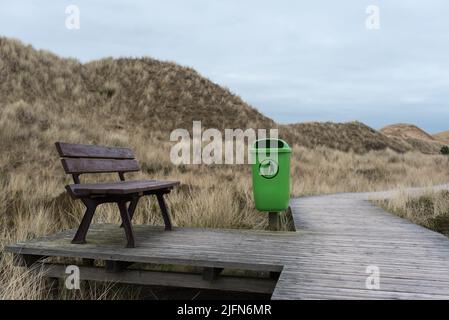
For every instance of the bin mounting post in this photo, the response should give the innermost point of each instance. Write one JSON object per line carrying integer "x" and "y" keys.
{"x": 273, "y": 221}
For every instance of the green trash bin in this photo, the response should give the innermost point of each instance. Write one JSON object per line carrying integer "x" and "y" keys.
{"x": 271, "y": 174}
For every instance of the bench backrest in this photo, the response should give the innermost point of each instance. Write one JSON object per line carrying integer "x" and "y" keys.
{"x": 85, "y": 158}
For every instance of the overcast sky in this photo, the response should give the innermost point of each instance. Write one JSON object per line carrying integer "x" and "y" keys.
{"x": 295, "y": 61}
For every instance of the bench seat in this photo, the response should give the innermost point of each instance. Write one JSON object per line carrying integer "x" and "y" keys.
{"x": 119, "y": 187}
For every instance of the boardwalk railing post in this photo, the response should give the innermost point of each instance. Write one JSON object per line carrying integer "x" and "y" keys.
{"x": 273, "y": 221}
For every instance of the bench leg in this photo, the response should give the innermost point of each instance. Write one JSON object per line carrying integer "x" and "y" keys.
{"x": 165, "y": 216}
{"x": 126, "y": 221}
{"x": 80, "y": 236}
{"x": 131, "y": 209}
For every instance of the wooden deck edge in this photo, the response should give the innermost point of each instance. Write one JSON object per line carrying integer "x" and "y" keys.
{"x": 47, "y": 252}
{"x": 165, "y": 279}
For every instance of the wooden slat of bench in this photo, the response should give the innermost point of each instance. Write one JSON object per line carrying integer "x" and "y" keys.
{"x": 83, "y": 165}
{"x": 121, "y": 187}
{"x": 70, "y": 150}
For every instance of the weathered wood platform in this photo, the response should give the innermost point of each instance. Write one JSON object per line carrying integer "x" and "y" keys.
{"x": 337, "y": 238}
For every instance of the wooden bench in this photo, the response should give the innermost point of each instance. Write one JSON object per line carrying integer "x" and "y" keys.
{"x": 79, "y": 159}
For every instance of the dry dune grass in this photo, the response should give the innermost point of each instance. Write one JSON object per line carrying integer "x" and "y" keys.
{"x": 414, "y": 137}
{"x": 352, "y": 136}
{"x": 443, "y": 137}
{"x": 405, "y": 130}
{"x": 323, "y": 170}
{"x": 136, "y": 103}
{"x": 430, "y": 209}
{"x": 158, "y": 96}
{"x": 358, "y": 137}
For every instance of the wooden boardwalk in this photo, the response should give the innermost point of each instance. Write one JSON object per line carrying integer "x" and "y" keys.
{"x": 343, "y": 234}
{"x": 337, "y": 238}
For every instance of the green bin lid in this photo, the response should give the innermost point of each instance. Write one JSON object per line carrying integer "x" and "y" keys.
{"x": 264, "y": 145}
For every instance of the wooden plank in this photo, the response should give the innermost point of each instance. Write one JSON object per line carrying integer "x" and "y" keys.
{"x": 168, "y": 279}
{"x": 120, "y": 187}
{"x": 85, "y": 165}
{"x": 190, "y": 246}
{"x": 71, "y": 150}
